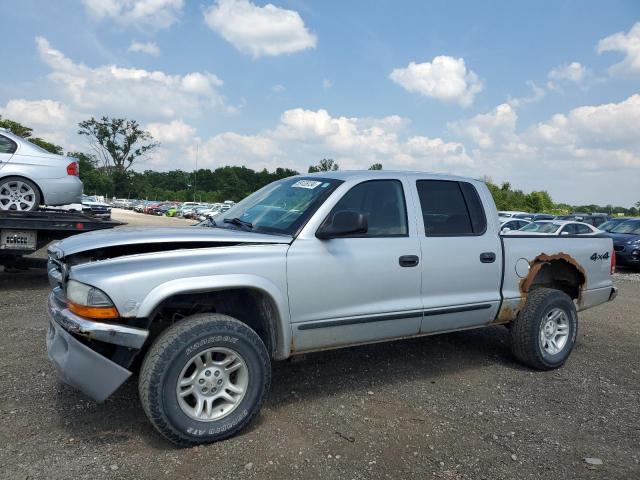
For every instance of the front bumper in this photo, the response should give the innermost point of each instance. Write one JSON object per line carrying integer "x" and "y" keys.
{"x": 76, "y": 363}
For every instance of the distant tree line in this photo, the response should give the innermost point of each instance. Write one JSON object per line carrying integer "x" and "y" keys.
{"x": 117, "y": 143}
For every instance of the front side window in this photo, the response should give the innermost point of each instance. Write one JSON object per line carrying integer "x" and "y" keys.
{"x": 280, "y": 207}
{"x": 7, "y": 145}
{"x": 451, "y": 208}
{"x": 382, "y": 203}
{"x": 570, "y": 229}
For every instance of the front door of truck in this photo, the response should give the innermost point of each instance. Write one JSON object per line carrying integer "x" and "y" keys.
{"x": 461, "y": 257}
{"x": 358, "y": 288}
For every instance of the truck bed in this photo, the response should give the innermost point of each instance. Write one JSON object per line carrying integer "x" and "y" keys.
{"x": 588, "y": 265}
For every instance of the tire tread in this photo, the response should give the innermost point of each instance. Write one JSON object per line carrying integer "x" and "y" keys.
{"x": 149, "y": 384}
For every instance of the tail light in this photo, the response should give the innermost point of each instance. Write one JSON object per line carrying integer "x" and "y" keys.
{"x": 73, "y": 169}
{"x": 613, "y": 262}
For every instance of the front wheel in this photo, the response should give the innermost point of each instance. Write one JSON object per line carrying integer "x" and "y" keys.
{"x": 204, "y": 379}
{"x": 545, "y": 331}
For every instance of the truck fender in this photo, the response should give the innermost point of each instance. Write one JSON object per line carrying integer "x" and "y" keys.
{"x": 224, "y": 282}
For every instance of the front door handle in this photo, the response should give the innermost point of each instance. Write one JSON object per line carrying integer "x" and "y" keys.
{"x": 409, "y": 260}
{"x": 487, "y": 257}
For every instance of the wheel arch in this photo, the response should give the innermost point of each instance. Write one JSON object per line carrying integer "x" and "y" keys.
{"x": 4, "y": 175}
{"x": 253, "y": 300}
{"x": 560, "y": 272}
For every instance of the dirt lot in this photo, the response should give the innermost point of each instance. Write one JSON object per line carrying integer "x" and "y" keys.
{"x": 449, "y": 406}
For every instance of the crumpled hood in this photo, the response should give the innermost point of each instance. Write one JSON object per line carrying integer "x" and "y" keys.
{"x": 165, "y": 238}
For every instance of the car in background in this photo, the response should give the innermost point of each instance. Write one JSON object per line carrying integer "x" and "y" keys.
{"x": 556, "y": 228}
{"x": 612, "y": 223}
{"x": 31, "y": 176}
{"x": 504, "y": 214}
{"x": 626, "y": 243}
{"x": 595, "y": 219}
{"x": 533, "y": 217}
{"x": 121, "y": 203}
{"x": 513, "y": 224}
{"x": 91, "y": 205}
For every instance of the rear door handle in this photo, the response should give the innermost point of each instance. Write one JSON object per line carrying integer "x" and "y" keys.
{"x": 409, "y": 260}
{"x": 487, "y": 257}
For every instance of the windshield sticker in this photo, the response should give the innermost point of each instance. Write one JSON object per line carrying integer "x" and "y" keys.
{"x": 306, "y": 184}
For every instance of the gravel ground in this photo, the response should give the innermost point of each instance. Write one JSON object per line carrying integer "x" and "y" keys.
{"x": 453, "y": 406}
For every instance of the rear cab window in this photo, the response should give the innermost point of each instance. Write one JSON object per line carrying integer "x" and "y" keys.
{"x": 451, "y": 208}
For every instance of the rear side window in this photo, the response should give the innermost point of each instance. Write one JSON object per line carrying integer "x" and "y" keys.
{"x": 582, "y": 229}
{"x": 7, "y": 145}
{"x": 571, "y": 229}
{"x": 382, "y": 201}
{"x": 451, "y": 208}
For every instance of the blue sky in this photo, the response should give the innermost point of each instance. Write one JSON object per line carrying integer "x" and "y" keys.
{"x": 542, "y": 94}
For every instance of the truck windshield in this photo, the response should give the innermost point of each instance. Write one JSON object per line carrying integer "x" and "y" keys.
{"x": 541, "y": 227}
{"x": 631, "y": 227}
{"x": 280, "y": 207}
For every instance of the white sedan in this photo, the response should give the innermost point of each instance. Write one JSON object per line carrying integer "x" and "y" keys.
{"x": 556, "y": 227}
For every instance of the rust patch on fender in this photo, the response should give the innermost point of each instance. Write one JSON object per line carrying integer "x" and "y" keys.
{"x": 508, "y": 314}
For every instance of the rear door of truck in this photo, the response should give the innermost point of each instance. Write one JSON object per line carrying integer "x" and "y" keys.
{"x": 461, "y": 254}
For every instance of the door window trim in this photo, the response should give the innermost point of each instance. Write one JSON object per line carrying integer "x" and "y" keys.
{"x": 367, "y": 235}
{"x": 466, "y": 204}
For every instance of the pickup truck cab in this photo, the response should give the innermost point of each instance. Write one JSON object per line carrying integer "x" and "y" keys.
{"x": 306, "y": 263}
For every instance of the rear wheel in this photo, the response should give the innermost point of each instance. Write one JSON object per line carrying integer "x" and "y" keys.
{"x": 19, "y": 194}
{"x": 545, "y": 331}
{"x": 204, "y": 379}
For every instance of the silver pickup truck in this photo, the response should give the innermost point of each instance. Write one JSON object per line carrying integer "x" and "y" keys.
{"x": 307, "y": 263}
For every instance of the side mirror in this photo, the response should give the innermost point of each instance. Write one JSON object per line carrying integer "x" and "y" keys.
{"x": 564, "y": 233}
{"x": 343, "y": 222}
{"x": 506, "y": 229}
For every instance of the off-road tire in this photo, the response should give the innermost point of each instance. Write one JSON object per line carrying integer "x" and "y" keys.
{"x": 167, "y": 357}
{"x": 525, "y": 330}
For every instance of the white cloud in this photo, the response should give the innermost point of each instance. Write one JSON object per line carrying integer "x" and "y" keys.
{"x": 537, "y": 94}
{"x": 174, "y": 132}
{"x": 629, "y": 45}
{"x": 609, "y": 126}
{"x": 36, "y": 112}
{"x": 49, "y": 119}
{"x": 573, "y": 73}
{"x": 327, "y": 84}
{"x": 150, "y": 48}
{"x": 153, "y": 14}
{"x": 259, "y": 31}
{"x": 110, "y": 89}
{"x": 278, "y": 88}
{"x": 487, "y": 129}
{"x": 445, "y": 78}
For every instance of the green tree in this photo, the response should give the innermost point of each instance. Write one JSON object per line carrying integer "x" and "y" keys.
{"x": 48, "y": 146}
{"x": 16, "y": 128}
{"x": 117, "y": 142}
{"x": 324, "y": 165}
{"x": 26, "y": 132}
{"x": 376, "y": 166}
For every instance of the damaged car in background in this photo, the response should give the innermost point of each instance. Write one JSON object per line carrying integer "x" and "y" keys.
{"x": 307, "y": 263}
